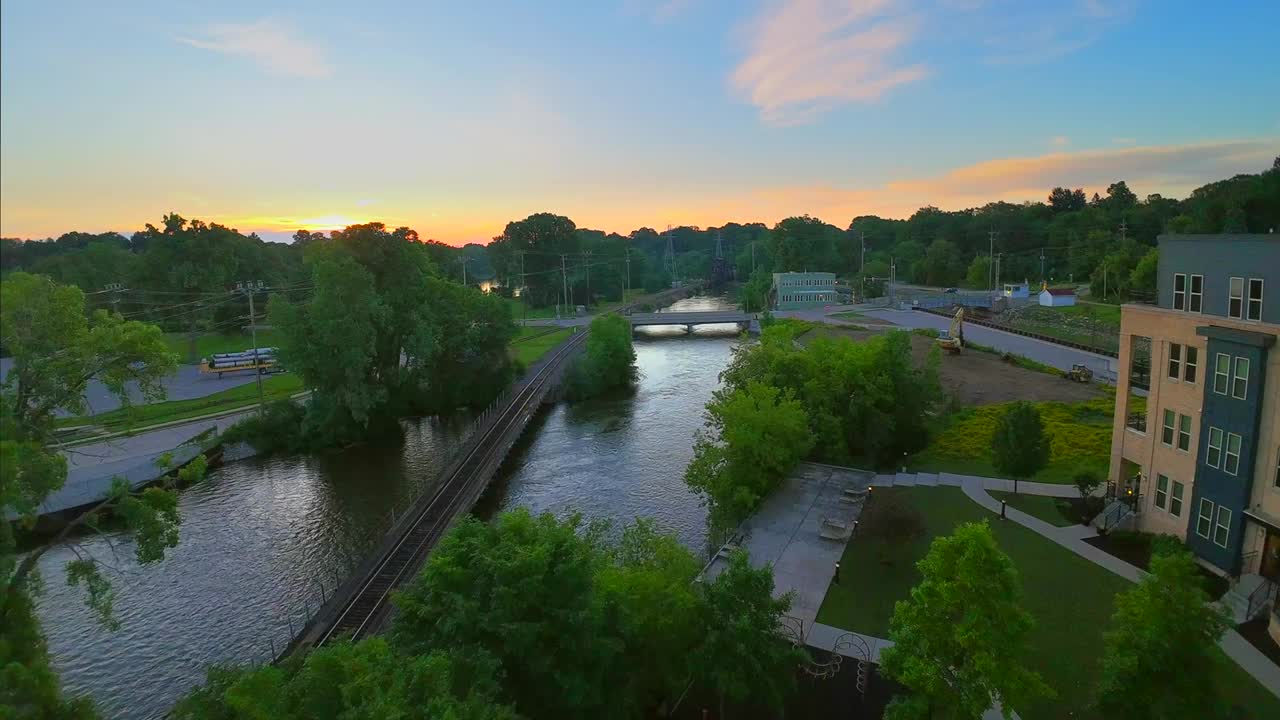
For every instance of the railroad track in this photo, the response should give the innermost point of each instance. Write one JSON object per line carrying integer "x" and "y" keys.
{"x": 363, "y": 611}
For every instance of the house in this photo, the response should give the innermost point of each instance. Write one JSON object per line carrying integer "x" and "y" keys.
{"x": 1196, "y": 436}
{"x": 1057, "y": 297}
{"x": 803, "y": 290}
{"x": 1017, "y": 291}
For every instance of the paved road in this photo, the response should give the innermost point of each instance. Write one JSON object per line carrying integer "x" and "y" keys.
{"x": 92, "y": 467}
{"x": 1058, "y": 356}
{"x": 186, "y": 384}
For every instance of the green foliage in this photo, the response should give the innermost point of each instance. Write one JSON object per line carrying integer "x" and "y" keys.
{"x": 1142, "y": 279}
{"x": 862, "y": 399}
{"x": 978, "y": 276}
{"x": 579, "y": 625}
{"x": 754, "y": 436}
{"x": 960, "y": 640}
{"x": 754, "y": 295}
{"x": 365, "y": 680}
{"x": 1018, "y": 446}
{"x": 800, "y": 244}
{"x": 1164, "y": 622}
{"x": 29, "y": 687}
{"x": 609, "y": 360}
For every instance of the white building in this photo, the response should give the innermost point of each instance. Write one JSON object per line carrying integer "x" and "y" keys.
{"x": 1057, "y": 297}
{"x": 1017, "y": 291}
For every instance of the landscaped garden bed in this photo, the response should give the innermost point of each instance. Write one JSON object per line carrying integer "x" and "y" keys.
{"x": 1136, "y": 549}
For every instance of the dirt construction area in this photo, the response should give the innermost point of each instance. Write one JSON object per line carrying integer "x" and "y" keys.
{"x": 981, "y": 378}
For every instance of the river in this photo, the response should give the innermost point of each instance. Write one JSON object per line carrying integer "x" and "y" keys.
{"x": 260, "y": 536}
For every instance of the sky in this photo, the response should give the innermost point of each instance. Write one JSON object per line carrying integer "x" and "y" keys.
{"x": 455, "y": 118}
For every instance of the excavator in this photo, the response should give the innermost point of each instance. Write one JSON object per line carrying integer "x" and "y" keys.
{"x": 952, "y": 340}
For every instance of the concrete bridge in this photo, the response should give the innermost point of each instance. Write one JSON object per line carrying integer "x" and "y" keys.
{"x": 690, "y": 319}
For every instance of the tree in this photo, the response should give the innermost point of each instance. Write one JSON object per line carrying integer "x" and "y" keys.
{"x": 960, "y": 640}
{"x": 363, "y": 680}
{"x": 1143, "y": 277}
{"x": 743, "y": 654}
{"x": 754, "y": 436}
{"x": 804, "y": 243}
{"x": 1120, "y": 197}
{"x": 1019, "y": 448}
{"x": 1087, "y": 483}
{"x": 609, "y": 362}
{"x": 56, "y": 351}
{"x": 1064, "y": 200}
{"x": 755, "y": 292}
{"x": 538, "y": 241}
{"x": 942, "y": 264}
{"x": 1165, "y": 621}
{"x": 979, "y": 273}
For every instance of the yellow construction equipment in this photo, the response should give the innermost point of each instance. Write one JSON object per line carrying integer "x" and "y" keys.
{"x": 952, "y": 340}
{"x": 1079, "y": 373}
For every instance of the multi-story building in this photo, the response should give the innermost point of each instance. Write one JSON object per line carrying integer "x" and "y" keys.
{"x": 1197, "y": 430}
{"x": 803, "y": 290}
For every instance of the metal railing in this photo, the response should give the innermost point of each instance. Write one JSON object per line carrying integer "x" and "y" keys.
{"x": 1261, "y": 596}
{"x": 1136, "y": 421}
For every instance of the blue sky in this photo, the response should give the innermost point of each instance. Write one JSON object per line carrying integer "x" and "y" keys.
{"x": 457, "y": 117}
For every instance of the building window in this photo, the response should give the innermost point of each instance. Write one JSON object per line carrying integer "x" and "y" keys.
{"x": 1190, "y": 363}
{"x": 1235, "y": 299}
{"x": 1254, "y": 311}
{"x": 1204, "y": 523}
{"x": 1222, "y": 527}
{"x": 1213, "y": 456}
{"x": 1231, "y": 463}
{"x": 1184, "y": 433}
{"x": 1197, "y": 294}
{"x": 1221, "y": 371}
{"x": 1179, "y": 291}
{"x": 1162, "y": 491}
{"x": 1175, "y": 361}
{"x": 1175, "y": 503}
{"x": 1240, "y": 379}
{"x": 1166, "y": 434}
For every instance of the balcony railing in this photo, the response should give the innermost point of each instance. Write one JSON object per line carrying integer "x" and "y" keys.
{"x": 1136, "y": 421}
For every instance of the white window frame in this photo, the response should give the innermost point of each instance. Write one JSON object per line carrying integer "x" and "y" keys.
{"x": 1227, "y": 455}
{"x": 1179, "y": 296}
{"x": 1213, "y": 454}
{"x": 1238, "y": 314}
{"x": 1195, "y": 298}
{"x": 1184, "y": 434}
{"x": 1168, "y": 426}
{"x": 1162, "y": 496}
{"x": 1174, "y": 371}
{"x": 1201, "y": 517}
{"x": 1223, "y": 373}
{"x": 1224, "y": 527}
{"x": 1191, "y": 364}
{"x": 1237, "y": 377}
{"x": 1249, "y": 300}
{"x": 1175, "y": 496}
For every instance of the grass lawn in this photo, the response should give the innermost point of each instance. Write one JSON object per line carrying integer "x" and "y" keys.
{"x": 1070, "y": 598}
{"x": 212, "y": 343}
{"x": 1086, "y": 324}
{"x": 528, "y": 351}
{"x": 1079, "y": 440}
{"x": 274, "y": 387}
{"x": 1040, "y": 506}
{"x": 849, "y": 315}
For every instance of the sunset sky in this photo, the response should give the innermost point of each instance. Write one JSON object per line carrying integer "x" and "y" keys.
{"x": 456, "y": 117}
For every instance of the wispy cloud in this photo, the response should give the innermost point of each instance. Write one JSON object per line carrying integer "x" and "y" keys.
{"x": 807, "y": 56}
{"x": 274, "y": 46}
{"x": 1059, "y": 141}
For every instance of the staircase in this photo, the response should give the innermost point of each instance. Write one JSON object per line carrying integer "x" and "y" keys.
{"x": 1113, "y": 516}
{"x": 1249, "y": 597}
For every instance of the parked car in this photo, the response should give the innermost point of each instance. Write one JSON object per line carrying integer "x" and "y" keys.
{"x": 950, "y": 290}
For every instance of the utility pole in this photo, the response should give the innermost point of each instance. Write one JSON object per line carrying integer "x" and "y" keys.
{"x": 249, "y": 288}
{"x": 671, "y": 256}
{"x": 991, "y": 251}
{"x": 586, "y": 263}
{"x": 564, "y": 284}
{"x": 862, "y": 241}
{"x": 626, "y": 279}
{"x": 753, "y": 256}
{"x": 1042, "y": 264}
{"x": 115, "y": 289}
{"x": 1124, "y": 228}
{"x": 524, "y": 300}
{"x": 463, "y": 261}
{"x": 998, "y": 256}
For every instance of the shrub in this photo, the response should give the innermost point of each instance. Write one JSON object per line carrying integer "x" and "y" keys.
{"x": 609, "y": 360}
{"x": 277, "y": 430}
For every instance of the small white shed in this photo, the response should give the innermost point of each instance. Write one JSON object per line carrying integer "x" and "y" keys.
{"x": 1057, "y": 297}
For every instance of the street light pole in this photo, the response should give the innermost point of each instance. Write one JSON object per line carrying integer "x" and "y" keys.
{"x": 249, "y": 288}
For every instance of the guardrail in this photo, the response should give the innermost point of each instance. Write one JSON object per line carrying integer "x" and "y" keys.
{"x": 1025, "y": 333}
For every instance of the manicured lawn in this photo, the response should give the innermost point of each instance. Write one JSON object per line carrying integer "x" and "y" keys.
{"x": 1040, "y": 506}
{"x": 1079, "y": 436}
{"x": 274, "y": 387}
{"x": 529, "y": 350}
{"x": 212, "y": 343}
{"x": 1070, "y": 598}
{"x": 849, "y": 315}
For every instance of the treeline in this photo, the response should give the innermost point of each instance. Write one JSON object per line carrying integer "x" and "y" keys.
{"x": 538, "y": 617}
